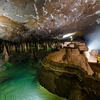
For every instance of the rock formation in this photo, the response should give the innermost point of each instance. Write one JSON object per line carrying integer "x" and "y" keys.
{"x": 73, "y": 56}
{"x": 25, "y": 19}
{"x": 92, "y": 56}
{"x": 6, "y": 54}
{"x": 69, "y": 78}
{"x": 56, "y": 56}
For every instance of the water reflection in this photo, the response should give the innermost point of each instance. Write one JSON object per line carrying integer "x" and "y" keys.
{"x": 19, "y": 82}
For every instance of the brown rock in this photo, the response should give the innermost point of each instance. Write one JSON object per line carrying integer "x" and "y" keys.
{"x": 56, "y": 56}
{"x": 73, "y": 56}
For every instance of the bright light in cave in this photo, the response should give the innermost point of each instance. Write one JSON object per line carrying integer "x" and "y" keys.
{"x": 68, "y": 35}
{"x": 94, "y": 39}
{"x": 94, "y": 45}
{"x": 2, "y": 24}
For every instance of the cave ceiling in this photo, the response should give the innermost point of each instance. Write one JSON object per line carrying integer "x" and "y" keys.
{"x": 34, "y": 19}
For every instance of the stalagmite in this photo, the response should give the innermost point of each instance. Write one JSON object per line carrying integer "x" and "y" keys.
{"x": 25, "y": 47}
{"x": 32, "y": 47}
{"x": 6, "y": 54}
{"x": 47, "y": 47}
{"x": 28, "y": 46}
{"x": 4, "y": 50}
{"x": 16, "y": 48}
{"x": 20, "y": 48}
{"x": 8, "y": 48}
{"x": 13, "y": 48}
{"x": 6, "y": 57}
{"x": 44, "y": 46}
{"x": 38, "y": 46}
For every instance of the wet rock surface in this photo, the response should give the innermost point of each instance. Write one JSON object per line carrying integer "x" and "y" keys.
{"x": 69, "y": 80}
{"x": 46, "y": 18}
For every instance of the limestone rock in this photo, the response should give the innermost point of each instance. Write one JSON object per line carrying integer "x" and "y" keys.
{"x": 6, "y": 57}
{"x": 68, "y": 79}
{"x": 73, "y": 56}
{"x": 56, "y": 56}
{"x": 6, "y": 54}
{"x": 94, "y": 52}
{"x": 91, "y": 56}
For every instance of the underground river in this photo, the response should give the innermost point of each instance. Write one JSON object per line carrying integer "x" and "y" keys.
{"x": 19, "y": 81}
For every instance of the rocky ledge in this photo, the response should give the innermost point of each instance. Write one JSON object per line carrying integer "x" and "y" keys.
{"x": 69, "y": 77}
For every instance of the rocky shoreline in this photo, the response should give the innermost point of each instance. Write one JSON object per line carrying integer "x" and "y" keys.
{"x": 68, "y": 80}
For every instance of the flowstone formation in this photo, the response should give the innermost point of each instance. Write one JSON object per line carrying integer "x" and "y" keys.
{"x": 67, "y": 73}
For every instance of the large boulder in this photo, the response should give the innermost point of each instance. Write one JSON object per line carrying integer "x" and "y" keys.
{"x": 73, "y": 56}
{"x": 56, "y": 56}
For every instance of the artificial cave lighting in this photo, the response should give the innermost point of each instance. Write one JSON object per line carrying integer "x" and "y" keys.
{"x": 71, "y": 37}
{"x": 68, "y": 35}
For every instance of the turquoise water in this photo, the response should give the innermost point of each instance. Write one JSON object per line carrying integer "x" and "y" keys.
{"x": 20, "y": 82}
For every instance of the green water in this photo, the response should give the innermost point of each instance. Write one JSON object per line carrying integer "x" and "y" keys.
{"x": 20, "y": 82}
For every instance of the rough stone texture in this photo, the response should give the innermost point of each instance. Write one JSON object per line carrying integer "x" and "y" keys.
{"x": 60, "y": 79}
{"x": 57, "y": 56}
{"x": 69, "y": 80}
{"x": 92, "y": 56}
{"x": 94, "y": 52}
{"x": 82, "y": 46}
{"x": 73, "y": 56}
{"x": 45, "y": 18}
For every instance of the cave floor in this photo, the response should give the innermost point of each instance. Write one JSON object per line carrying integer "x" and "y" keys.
{"x": 19, "y": 82}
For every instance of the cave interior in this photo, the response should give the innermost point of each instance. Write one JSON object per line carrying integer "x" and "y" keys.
{"x": 35, "y": 34}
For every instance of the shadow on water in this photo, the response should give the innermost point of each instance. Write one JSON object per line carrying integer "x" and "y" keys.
{"x": 19, "y": 82}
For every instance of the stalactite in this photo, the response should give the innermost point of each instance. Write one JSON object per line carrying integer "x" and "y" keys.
{"x": 21, "y": 48}
{"x": 47, "y": 47}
